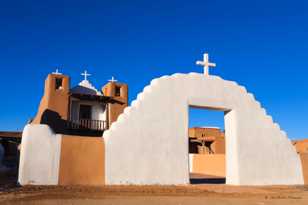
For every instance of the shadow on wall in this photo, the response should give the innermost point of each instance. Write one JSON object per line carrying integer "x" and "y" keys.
{"x": 54, "y": 120}
{"x": 60, "y": 126}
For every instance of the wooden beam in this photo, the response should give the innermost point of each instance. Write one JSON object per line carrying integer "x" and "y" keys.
{"x": 8, "y": 134}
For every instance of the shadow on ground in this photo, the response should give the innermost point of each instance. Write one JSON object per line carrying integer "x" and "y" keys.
{"x": 208, "y": 181}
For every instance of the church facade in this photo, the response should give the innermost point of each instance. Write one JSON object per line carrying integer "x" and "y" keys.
{"x": 85, "y": 136}
{"x": 81, "y": 108}
{"x": 63, "y": 144}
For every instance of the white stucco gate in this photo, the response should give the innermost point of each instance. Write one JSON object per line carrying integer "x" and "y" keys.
{"x": 148, "y": 144}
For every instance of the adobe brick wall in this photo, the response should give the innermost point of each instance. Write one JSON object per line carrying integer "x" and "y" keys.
{"x": 304, "y": 160}
{"x": 82, "y": 161}
{"x": 114, "y": 110}
{"x": 54, "y": 100}
{"x": 301, "y": 145}
{"x": 209, "y": 164}
{"x": 219, "y": 145}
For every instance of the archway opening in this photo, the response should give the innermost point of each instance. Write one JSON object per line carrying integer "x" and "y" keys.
{"x": 206, "y": 137}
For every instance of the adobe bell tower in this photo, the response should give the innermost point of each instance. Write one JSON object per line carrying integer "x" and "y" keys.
{"x": 56, "y": 96}
{"x": 119, "y": 92}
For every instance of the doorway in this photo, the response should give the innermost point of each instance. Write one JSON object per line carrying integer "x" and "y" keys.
{"x": 206, "y": 137}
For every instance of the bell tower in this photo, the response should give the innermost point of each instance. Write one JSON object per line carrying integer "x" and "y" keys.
{"x": 56, "y": 96}
{"x": 119, "y": 92}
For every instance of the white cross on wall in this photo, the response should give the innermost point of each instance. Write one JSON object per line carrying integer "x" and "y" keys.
{"x": 113, "y": 80}
{"x": 85, "y": 74}
{"x": 206, "y": 64}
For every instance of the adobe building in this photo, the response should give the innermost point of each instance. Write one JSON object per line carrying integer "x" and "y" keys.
{"x": 81, "y": 109}
{"x": 207, "y": 151}
{"x": 206, "y": 140}
{"x": 80, "y": 114}
{"x": 86, "y": 136}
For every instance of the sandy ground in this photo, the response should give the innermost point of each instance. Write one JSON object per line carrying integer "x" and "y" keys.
{"x": 190, "y": 194}
{"x": 215, "y": 194}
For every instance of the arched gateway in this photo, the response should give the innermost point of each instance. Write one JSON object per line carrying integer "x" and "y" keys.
{"x": 148, "y": 143}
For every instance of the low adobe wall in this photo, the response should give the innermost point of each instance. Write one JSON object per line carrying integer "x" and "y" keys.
{"x": 208, "y": 164}
{"x": 39, "y": 156}
{"x": 82, "y": 161}
{"x": 53, "y": 159}
{"x": 304, "y": 160}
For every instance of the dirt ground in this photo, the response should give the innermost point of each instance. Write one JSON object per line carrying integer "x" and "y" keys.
{"x": 137, "y": 195}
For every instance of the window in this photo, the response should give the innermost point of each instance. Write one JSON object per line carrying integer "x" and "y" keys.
{"x": 59, "y": 83}
{"x": 117, "y": 91}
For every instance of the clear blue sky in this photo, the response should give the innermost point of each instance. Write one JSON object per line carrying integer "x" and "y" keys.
{"x": 262, "y": 45}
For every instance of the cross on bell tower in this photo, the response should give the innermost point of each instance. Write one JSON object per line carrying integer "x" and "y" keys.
{"x": 112, "y": 80}
{"x": 206, "y": 64}
{"x": 57, "y": 71}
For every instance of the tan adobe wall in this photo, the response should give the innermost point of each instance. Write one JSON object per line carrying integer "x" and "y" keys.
{"x": 301, "y": 146}
{"x": 213, "y": 164}
{"x": 198, "y": 132}
{"x": 82, "y": 161}
{"x": 218, "y": 145}
{"x": 192, "y": 132}
{"x": 304, "y": 160}
{"x": 56, "y": 100}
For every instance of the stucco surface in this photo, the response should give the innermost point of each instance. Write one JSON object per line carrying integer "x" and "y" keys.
{"x": 54, "y": 100}
{"x": 208, "y": 164}
{"x": 148, "y": 144}
{"x": 82, "y": 161}
{"x": 304, "y": 160}
{"x": 40, "y": 156}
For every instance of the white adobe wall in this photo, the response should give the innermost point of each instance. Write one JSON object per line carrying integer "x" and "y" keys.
{"x": 148, "y": 144}
{"x": 191, "y": 162}
{"x": 40, "y": 156}
{"x": 98, "y": 112}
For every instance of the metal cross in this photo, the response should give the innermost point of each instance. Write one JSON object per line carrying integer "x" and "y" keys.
{"x": 113, "y": 80}
{"x": 206, "y": 64}
{"x": 85, "y": 74}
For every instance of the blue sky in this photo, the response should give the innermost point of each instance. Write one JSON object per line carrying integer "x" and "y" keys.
{"x": 262, "y": 45}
